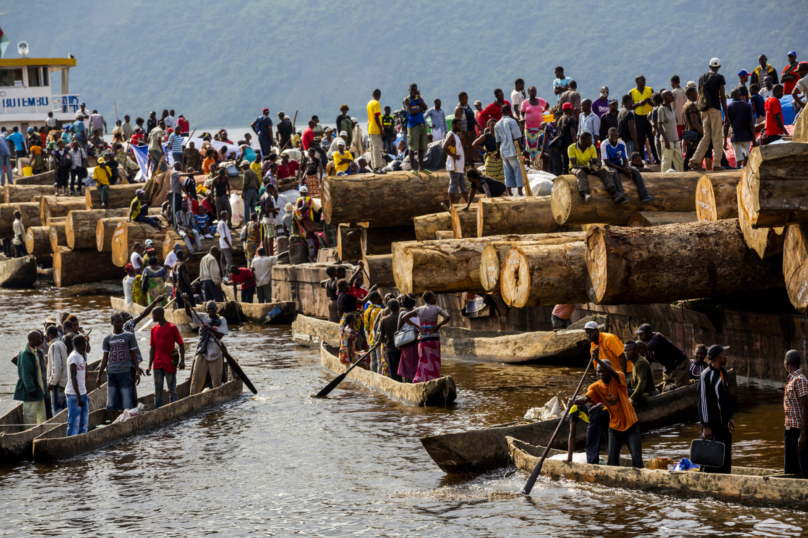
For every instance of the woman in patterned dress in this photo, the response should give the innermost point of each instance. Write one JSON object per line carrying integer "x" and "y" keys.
{"x": 429, "y": 339}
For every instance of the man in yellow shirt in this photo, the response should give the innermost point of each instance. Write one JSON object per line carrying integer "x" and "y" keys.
{"x": 643, "y": 105}
{"x": 584, "y": 162}
{"x": 101, "y": 175}
{"x": 343, "y": 160}
{"x": 375, "y": 131}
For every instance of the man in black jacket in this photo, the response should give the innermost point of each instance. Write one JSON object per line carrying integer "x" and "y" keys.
{"x": 714, "y": 406}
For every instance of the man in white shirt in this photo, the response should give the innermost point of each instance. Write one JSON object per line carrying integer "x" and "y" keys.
{"x": 210, "y": 276}
{"x": 78, "y": 407}
{"x": 209, "y": 358}
{"x": 97, "y": 122}
{"x": 438, "y": 118}
{"x": 50, "y": 121}
{"x": 589, "y": 122}
{"x": 262, "y": 269}
{"x": 136, "y": 259}
{"x": 171, "y": 259}
{"x": 19, "y": 236}
{"x": 129, "y": 284}
{"x": 518, "y": 97}
{"x": 57, "y": 370}
{"x": 225, "y": 243}
{"x": 170, "y": 121}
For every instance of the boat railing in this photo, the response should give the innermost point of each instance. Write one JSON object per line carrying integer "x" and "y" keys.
{"x": 62, "y": 104}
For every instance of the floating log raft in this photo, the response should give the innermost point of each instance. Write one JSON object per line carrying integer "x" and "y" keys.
{"x": 26, "y": 193}
{"x": 380, "y": 270}
{"x": 544, "y": 275}
{"x": 82, "y": 266}
{"x": 376, "y": 241}
{"x": 795, "y": 265}
{"x": 393, "y": 199}
{"x": 349, "y": 243}
{"x": 57, "y": 206}
{"x": 528, "y": 215}
{"x": 127, "y": 234}
{"x": 120, "y": 196}
{"x": 701, "y": 260}
{"x": 765, "y": 241}
{"x": 37, "y": 242}
{"x": 426, "y": 226}
{"x": 494, "y": 253}
{"x": 80, "y": 226}
{"x": 644, "y": 219}
{"x": 671, "y": 192}
{"x": 57, "y": 235}
{"x": 464, "y": 223}
{"x": 716, "y": 196}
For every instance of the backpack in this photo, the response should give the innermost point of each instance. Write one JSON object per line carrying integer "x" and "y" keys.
{"x": 703, "y": 101}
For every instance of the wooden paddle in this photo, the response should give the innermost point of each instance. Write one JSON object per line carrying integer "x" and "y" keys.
{"x": 528, "y": 191}
{"x": 537, "y": 470}
{"x": 331, "y": 386}
{"x": 230, "y": 360}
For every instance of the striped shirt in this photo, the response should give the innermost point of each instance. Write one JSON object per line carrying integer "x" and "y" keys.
{"x": 796, "y": 387}
{"x": 202, "y": 221}
{"x": 175, "y": 143}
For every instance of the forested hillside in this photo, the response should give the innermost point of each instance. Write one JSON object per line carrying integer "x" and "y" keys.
{"x": 219, "y": 62}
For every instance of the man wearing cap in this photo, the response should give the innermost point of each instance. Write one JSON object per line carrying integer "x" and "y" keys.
{"x": 262, "y": 126}
{"x": 101, "y": 175}
{"x": 801, "y": 88}
{"x": 743, "y": 78}
{"x": 607, "y": 346}
{"x": 185, "y": 223}
{"x": 711, "y": 85}
{"x": 714, "y": 406}
{"x": 209, "y": 358}
{"x": 250, "y": 189}
{"x": 789, "y": 77}
{"x": 343, "y": 160}
{"x": 795, "y": 403}
{"x": 660, "y": 349}
{"x": 600, "y": 106}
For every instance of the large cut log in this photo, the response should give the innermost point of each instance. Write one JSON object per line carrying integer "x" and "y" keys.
{"x": 349, "y": 243}
{"x": 494, "y": 254}
{"x": 56, "y": 234}
{"x": 72, "y": 267}
{"x": 57, "y": 206}
{"x": 444, "y": 234}
{"x": 765, "y": 241}
{"x": 800, "y": 130}
{"x": 716, "y": 196}
{"x": 776, "y": 202}
{"x": 45, "y": 178}
{"x": 393, "y": 199}
{"x": 644, "y": 219}
{"x": 464, "y": 223}
{"x": 380, "y": 270}
{"x": 795, "y": 265}
{"x": 426, "y": 226}
{"x": 700, "y": 260}
{"x": 37, "y": 242}
{"x": 29, "y": 214}
{"x": 377, "y": 241}
{"x": 544, "y": 275}
{"x": 55, "y": 220}
{"x": 120, "y": 196}
{"x": 80, "y": 226}
{"x": 672, "y": 193}
{"x": 193, "y": 261}
{"x": 779, "y": 161}
{"x": 104, "y": 230}
{"x": 26, "y": 193}
{"x": 528, "y": 215}
{"x": 127, "y": 234}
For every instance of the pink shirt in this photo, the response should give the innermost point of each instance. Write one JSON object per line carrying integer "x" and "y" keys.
{"x": 533, "y": 114}
{"x": 563, "y": 311}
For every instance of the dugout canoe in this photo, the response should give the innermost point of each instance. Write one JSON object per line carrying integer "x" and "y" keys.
{"x": 18, "y": 272}
{"x": 277, "y": 313}
{"x": 307, "y": 330}
{"x": 53, "y": 445}
{"x": 747, "y": 486}
{"x": 16, "y": 442}
{"x": 176, "y": 316}
{"x": 476, "y": 451}
{"x": 441, "y": 391}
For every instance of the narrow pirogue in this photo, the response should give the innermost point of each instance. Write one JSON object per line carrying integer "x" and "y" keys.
{"x": 441, "y": 391}
{"x": 748, "y": 486}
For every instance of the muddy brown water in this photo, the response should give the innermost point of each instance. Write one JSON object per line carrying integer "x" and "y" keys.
{"x": 283, "y": 464}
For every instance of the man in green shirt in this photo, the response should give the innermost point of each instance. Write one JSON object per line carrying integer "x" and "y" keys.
{"x": 249, "y": 188}
{"x": 642, "y": 377}
{"x": 32, "y": 381}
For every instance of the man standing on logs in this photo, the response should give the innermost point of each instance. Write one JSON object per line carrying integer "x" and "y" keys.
{"x": 660, "y": 349}
{"x": 455, "y": 163}
{"x": 714, "y": 406}
{"x": 711, "y": 101}
{"x": 614, "y": 155}
{"x": 507, "y": 135}
{"x": 666, "y": 121}
{"x": 416, "y": 128}
{"x": 584, "y": 161}
{"x": 795, "y": 402}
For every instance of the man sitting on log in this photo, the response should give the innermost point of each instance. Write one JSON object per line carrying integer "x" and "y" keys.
{"x": 491, "y": 187}
{"x": 584, "y": 161}
{"x": 613, "y": 153}
{"x": 138, "y": 210}
{"x": 660, "y": 349}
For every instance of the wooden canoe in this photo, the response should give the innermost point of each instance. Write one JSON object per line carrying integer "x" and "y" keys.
{"x": 176, "y": 316}
{"x": 476, "y": 451}
{"x": 307, "y": 330}
{"x": 18, "y": 272}
{"x": 53, "y": 445}
{"x": 752, "y": 487}
{"x": 278, "y": 313}
{"x": 16, "y": 442}
{"x": 441, "y": 391}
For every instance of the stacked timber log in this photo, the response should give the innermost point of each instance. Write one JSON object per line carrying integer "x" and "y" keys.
{"x": 644, "y": 219}
{"x": 72, "y": 267}
{"x": 105, "y": 228}
{"x": 45, "y": 178}
{"x": 81, "y": 225}
{"x": 57, "y": 206}
{"x": 444, "y": 235}
{"x": 37, "y": 243}
{"x": 301, "y": 284}
{"x": 706, "y": 259}
{"x": 777, "y": 185}
{"x": 127, "y": 234}
{"x": 26, "y": 193}
{"x": 427, "y": 226}
{"x": 716, "y": 196}
{"x": 543, "y": 275}
{"x": 56, "y": 233}
{"x": 765, "y": 241}
{"x": 529, "y": 215}
{"x": 192, "y": 261}
{"x": 120, "y": 196}
{"x": 349, "y": 243}
{"x": 377, "y": 241}
{"x": 464, "y": 222}
{"x": 379, "y": 269}
{"x": 795, "y": 265}
{"x": 29, "y": 214}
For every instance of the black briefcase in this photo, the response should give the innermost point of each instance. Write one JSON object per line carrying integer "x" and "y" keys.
{"x": 707, "y": 453}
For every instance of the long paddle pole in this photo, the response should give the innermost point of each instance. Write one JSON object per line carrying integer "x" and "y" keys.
{"x": 230, "y": 360}
{"x": 331, "y": 386}
{"x": 537, "y": 470}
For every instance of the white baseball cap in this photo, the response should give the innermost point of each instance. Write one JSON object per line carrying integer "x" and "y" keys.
{"x": 591, "y": 325}
{"x": 715, "y": 62}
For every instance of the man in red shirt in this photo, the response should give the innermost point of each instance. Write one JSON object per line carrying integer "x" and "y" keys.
{"x": 494, "y": 110}
{"x": 245, "y": 277}
{"x": 182, "y": 125}
{"x": 164, "y": 337}
{"x": 308, "y": 135}
{"x": 775, "y": 129}
{"x": 287, "y": 168}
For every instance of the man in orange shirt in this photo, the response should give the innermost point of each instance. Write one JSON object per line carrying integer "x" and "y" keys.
{"x": 611, "y": 347}
{"x": 610, "y": 390}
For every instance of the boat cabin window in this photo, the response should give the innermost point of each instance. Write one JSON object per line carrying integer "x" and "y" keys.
{"x": 37, "y": 77}
{"x": 10, "y": 77}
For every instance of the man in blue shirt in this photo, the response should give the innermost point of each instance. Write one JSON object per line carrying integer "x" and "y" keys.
{"x": 5, "y": 162}
{"x": 79, "y": 131}
{"x": 263, "y": 128}
{"x": 561, "y": 82}
{"x": 18, "y": 140}
{"x": 758, "y": 103}
{"x": 416, "y": 128}
{"x": 613, "y": 153}
{"x": 742, "y": 120}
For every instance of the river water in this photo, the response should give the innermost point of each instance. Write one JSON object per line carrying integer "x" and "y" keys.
{"x": 283, "y": 464}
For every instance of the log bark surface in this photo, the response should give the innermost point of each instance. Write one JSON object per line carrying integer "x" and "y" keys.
{"x": 645, "y": 219}
{"x": 528, "y": 215}
{"x": 120, "y": 196}
{"x": 37, "y": 242}
{"x": 45, "y": 178}
{"x": 716, "y": 196}
{"x": 672, "y": 193}
{"x": 765, "y": 241}
{"x": 393, "y": 199}
{"x": 26, "y": 193}
{"x": 776, "y": 202}
{"x": 380, "y": 270}
{"x": 376, "y": 241}
{"x": 779, "y": 161}
{"x": 464, "y": 223}
{"x": 795, "y": 265}
{"x": 701, "y": 260}
{"x": 80, "y": 226}
{"x": 544, "y": 275}
{"x": 104, "y": 230}
{"x": 127, "y": 234}
{"x": 29, "y": 214}
{"x": 56, "y": 232}
{"x": 72, "y": 267}
{"x": 494, "y": 254}
{"x": 57, "y": 206}
{"x": 443, "y": 235}
{"x": 426, "y": 226}
{"x": 349, "y": 243}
